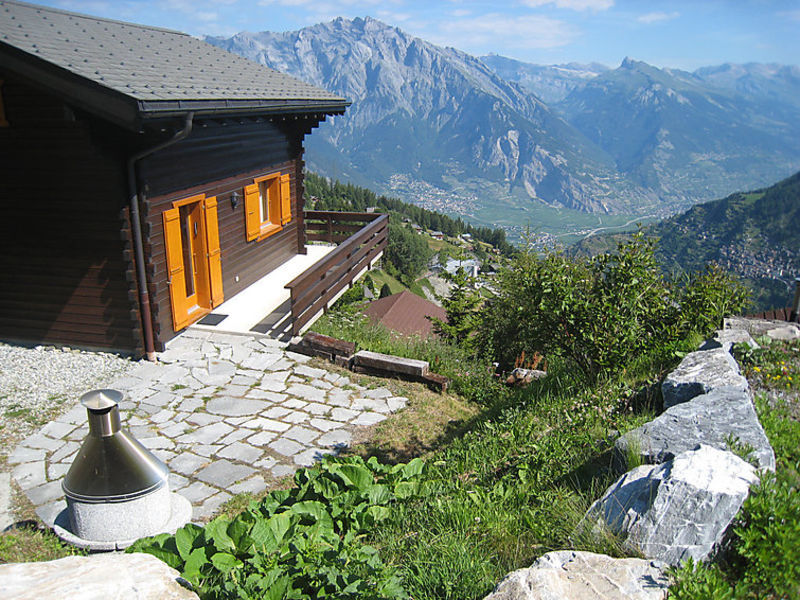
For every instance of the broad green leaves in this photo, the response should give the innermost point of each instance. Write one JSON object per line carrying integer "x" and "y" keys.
{"x": 300, "y": 543}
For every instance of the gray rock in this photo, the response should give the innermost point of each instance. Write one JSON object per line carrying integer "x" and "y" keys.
{"x": 569, "y": 575}
{"x": 726, "y": 338}
{"x": 755, "y": 327}
{"x": 716, "y": 418}
{"x": 786, "y": 333}
{"x": 699, "y": 373}
{"x": 139, "y": 576}
{"x": 678, "y": 509}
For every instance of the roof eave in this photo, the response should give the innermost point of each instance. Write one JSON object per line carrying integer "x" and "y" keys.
{"x": 159, "y": 109}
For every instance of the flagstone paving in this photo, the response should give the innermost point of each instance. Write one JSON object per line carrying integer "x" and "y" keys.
{"x": 227, "y": 413}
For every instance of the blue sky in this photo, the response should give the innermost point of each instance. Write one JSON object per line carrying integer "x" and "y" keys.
{"x": 667, "y": 33}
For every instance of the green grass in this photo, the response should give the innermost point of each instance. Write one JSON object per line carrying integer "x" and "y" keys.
{"x": 380, "y": 277}
{"x": 29, "y": 544}
{"x": 512, "y": 488}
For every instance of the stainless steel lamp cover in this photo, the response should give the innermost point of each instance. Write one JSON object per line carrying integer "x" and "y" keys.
{"x": 111, "y": 466}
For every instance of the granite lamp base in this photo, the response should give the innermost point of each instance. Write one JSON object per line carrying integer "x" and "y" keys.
{"x": 116, "y": 536}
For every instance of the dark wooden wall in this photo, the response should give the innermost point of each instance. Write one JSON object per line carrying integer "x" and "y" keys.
{"x": 65, "y": 273}
{"x": 217, "y": 159}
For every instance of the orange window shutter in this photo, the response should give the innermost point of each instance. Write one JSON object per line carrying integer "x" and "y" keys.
{"x": 251, "y": 212}
{"x": 177, "y": 282}
{"x": 286, "y": 199}
{"x": 214, "y": 252}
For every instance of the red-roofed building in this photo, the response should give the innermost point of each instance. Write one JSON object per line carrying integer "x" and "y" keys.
{"x": 405, "y": 313}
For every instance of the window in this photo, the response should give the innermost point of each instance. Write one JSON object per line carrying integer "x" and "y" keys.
{"x": 267, "y": 205}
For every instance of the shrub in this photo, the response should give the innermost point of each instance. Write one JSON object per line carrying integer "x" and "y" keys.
{"x": 600, "y": 313}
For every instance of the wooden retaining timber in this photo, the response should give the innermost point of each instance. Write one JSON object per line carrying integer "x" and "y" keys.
{"x": 313, "y": 291}
{"x": 368, "y": 363}
{"x": 375, "y": 361}
{"x": 323, "y": 346}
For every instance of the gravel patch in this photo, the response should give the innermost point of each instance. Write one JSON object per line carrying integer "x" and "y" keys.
{"x": 39, "y": 383}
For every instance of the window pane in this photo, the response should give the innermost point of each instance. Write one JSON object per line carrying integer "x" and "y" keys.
{"x": 186, "y": 249}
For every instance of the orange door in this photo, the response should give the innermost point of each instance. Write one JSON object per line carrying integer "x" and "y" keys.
{"x": 188, "y": 229}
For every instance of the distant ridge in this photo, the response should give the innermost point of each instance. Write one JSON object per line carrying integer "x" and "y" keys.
{"x": 752, "y": 234}
{"x": 441, "y": 128}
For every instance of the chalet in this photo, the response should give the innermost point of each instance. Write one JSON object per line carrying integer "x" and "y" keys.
{"x": 146, "y": 177}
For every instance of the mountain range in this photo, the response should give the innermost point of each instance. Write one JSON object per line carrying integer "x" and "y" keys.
{"x": 454, "y": 132}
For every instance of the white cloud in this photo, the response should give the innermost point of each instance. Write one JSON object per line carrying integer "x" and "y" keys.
{"x": 656, "y": 17}
{"x": 528, "y": 31}
{"x": 580, "y": 5}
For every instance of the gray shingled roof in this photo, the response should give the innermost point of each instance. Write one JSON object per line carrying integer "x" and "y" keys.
{"x": 162, "y": 71}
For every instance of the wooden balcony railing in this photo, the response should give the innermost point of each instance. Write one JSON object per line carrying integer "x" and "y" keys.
{"x": 362, "y": 237}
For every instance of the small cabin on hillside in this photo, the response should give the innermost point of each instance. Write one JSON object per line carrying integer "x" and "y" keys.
{"x": 146, "y": 177}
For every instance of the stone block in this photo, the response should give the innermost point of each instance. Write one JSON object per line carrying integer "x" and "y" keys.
{"x": 726, "y": 338}
{"x": 369, "y": 418}
{"x": 570, "y": 575}
{"x": 715, "y": 419}
{"x": 187, "y": 463}
{"x": 241, "y": 451}
{"x": 208, "y": 434}
{"x": 224, "y": 473}
{"x": 301, "y": 434}
{"x": 286, "y": 447}
{"x": 677, "y": 510}
{"x": 338, "y": 438}
{"x": 111, "y": 575}
{"x": 699, "y": 373}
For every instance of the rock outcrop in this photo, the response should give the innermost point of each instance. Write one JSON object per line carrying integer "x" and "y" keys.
{"x": 678, "y": 509}
{"x": 726, "y": 338}
{"x": 719, "y": 418}
{"x": 569, "y": 575}
{"x": 96, "y": 577}
{"x": 700, "y": 373}
{"x": 776, "y": 330}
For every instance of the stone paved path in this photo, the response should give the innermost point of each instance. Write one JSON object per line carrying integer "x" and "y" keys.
{"x": 227, "y": 413}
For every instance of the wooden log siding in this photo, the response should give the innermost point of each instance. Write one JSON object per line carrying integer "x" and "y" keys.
{"x": 66, "y": 275}
{"x": 243, "y": 262}
{"x": 313, "y": 290}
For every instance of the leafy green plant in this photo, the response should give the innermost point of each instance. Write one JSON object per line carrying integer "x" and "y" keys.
{"x": 699, "y": 581}
{"x": 306, "y": 542}
{"x": 768, "y": 538}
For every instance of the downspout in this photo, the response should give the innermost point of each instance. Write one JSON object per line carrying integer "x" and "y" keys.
{"x": 135, "y": 196}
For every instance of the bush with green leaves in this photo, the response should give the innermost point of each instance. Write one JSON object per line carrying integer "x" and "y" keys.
{"x": 306, "y": 542}
{"x": 600, "y": 313}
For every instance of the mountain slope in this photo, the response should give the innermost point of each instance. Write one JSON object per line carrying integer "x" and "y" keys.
{"x": 437, "y": 115}
{"x": 551, "y": 83}
{"x": 752, "y": 234}
{"x": 670, "y": 130}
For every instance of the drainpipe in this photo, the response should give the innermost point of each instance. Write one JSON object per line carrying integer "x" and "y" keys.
{"x": 135, "y": 197}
